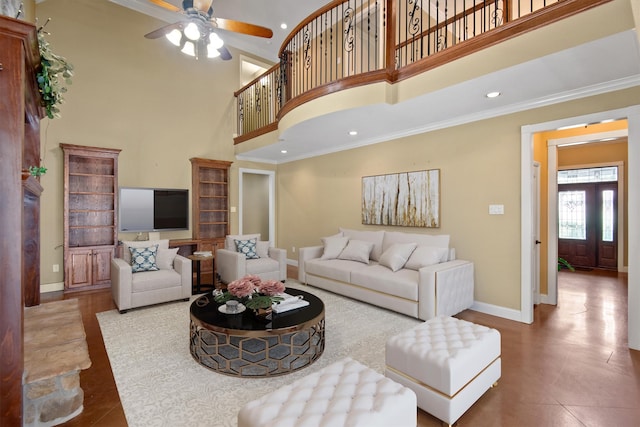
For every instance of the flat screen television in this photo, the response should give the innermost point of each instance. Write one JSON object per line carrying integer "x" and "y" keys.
{"x": 153, "y": 209}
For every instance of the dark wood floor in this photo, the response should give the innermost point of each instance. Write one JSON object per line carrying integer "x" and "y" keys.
{"x": 571, "y": 367}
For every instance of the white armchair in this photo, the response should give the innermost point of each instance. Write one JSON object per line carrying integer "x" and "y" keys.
{"x": 231, "y": 264}
{"x": 171, "y": 281}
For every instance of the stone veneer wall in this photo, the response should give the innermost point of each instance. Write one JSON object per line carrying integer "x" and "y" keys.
{"x": 55, "y": 351}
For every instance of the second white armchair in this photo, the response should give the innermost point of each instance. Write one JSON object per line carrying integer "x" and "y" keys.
{"x": 247, "y": 254}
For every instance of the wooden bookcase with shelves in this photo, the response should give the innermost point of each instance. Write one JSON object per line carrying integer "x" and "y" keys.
{"x": 210, "y": 205}
{"x": 90, "y": 215}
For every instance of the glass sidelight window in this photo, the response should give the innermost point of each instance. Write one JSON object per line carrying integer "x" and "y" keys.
{"x": 572, "y": 215}
{"x": 608, "y": 211}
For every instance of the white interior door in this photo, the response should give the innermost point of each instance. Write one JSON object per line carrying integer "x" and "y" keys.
{"x": 535, "y": 270}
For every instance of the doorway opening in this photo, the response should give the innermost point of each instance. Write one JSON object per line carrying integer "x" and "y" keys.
{"x": 256, "y": 207}
{"x": 587, "y": 217}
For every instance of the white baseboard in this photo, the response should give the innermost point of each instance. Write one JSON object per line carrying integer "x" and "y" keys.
{"x": 51, "y": 287}
{"x": 496, "y": 310}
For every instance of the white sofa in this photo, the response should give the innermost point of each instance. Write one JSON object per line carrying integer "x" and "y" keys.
{"x": 428, "y": 282}
{"x": 270, "y": 264}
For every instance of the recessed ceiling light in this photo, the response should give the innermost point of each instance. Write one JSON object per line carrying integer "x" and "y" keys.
{"x": 283, "y": 26}
{"x": 283, "y": 151}
{"x": 493, "y": 94}
{"x": 353, "y": 132}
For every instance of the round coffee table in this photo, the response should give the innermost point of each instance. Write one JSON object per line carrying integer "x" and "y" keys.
{"x": 243, "y": 346}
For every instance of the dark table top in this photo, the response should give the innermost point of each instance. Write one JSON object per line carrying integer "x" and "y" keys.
{"x": 204, "y": 311}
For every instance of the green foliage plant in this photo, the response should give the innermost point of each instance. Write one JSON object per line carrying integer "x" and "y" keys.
{"x": 53, "y": 76}
{"x": 37, "y": 170}
{"x": 564, "y": 263}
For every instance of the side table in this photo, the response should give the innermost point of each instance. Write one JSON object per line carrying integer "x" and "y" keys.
{"x": 196, "y": 260}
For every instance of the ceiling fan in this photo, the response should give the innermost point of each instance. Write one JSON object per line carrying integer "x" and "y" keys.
{"x": 196, "y": 35}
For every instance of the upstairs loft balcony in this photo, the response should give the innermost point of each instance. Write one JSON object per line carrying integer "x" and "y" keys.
{"x": 357, "y": 43}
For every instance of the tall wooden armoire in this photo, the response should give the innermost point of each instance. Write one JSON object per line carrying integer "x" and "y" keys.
{"x": 20, "y": 114}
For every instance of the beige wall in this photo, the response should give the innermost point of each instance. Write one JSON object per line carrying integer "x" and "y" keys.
{"x": 479, "y": 164}
{"x": 142, "y": 96}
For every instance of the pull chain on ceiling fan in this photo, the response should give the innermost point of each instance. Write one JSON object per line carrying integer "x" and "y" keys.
{"x": 197, "y": 36}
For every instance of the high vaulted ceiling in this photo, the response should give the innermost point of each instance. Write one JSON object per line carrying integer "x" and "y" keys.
{"x": 602, "y": 65}
{"x": 267, "y": 13}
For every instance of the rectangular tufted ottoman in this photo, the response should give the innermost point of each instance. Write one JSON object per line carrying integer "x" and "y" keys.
{"x": 345, "y": 393}
{"x": 448, "y": 362}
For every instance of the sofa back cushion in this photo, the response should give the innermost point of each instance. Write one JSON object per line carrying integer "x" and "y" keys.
{"x": 333, "y": 245}
{"x": 437, "y": 241}
{"x": 357, "y": 250}
{"x": 375, "y": 237}
{"x": 165, "y": 258}
{"x": 424, "y": 256}
{"x": 397, "y": 255}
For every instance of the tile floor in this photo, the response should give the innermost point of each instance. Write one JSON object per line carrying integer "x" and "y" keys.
{"x": 571, "y": 367}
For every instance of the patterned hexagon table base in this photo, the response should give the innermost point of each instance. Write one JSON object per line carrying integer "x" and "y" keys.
{"x": 267, "y": 355}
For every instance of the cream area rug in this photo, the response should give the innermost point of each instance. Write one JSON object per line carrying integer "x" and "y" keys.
{"x": 160, "y": 384}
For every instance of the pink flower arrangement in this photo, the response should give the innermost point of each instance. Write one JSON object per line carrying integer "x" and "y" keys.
{"x": 271, "y": 287}
{"x": 241, "y": 288}
{"x": 253, "y": 292}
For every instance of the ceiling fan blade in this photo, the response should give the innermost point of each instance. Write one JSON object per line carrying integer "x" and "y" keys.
{"x": 164, "y": 30}
{"x": 242, "y": 27}
{"x": 166, "y": 5}
{"x": 225, "y": 55}
{"x": 202, "y": 5}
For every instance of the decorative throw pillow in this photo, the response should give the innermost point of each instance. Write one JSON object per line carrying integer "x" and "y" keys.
{"x": 262, "y": 249}
{"x": 333, "y": 246}
{"x": 126, "y": 244}
{"x": 248, "y": 248}
{"x": 144, "y": 259}
{"x": 424, "y": 256}
{"x": 397, "y": 255}
{"x": 230, "y": 240}
{"x": 165, "y": 258}
{"x": 357, "y": 250}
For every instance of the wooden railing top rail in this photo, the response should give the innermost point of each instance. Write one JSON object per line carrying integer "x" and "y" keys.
{"x": 256, "y": 80}
{"x": 306, "y": 21}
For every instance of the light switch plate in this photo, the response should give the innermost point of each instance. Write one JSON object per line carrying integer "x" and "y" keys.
{"x": 496, "y": 209}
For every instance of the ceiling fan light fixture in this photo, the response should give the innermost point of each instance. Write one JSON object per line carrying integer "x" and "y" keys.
{"x": 174, "y": 37}
{"x": 215, "y": 41}
{"x": 212, "y": 52}
{"x": 191, "y": 31}
{"x": 189, "y": 48}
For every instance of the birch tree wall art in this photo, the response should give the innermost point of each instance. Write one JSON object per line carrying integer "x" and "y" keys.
{"x": 409, "y": 199}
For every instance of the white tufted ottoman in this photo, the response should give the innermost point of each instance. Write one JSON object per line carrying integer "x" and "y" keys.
{"x": 345, "y": 393}
{"x": 448, "y": 362}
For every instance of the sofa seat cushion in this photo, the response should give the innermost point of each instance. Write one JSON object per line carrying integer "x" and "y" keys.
{"x": 152, "y": 280}
{"x": 402, "y": 283}
{"x": 262, "y": 265}
{"x": 335, "y": 269}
